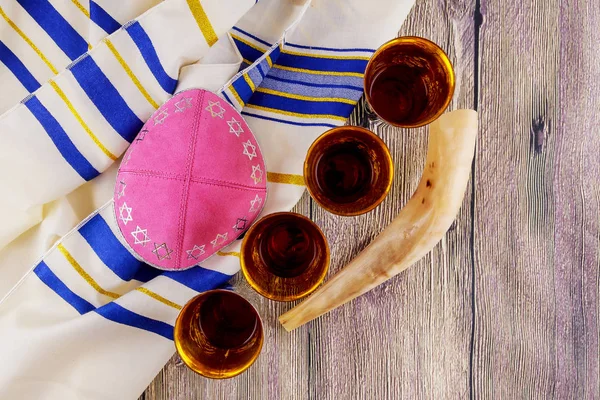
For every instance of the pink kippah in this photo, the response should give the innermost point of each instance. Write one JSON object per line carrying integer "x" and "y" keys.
{"x": 192, "y": 181}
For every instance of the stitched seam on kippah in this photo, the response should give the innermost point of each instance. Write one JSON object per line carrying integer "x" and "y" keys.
{"x": 173, "y": 178}
{"x": 230, "y": 186}
{"x": 152, "y": 172}
{"x": 167, "y": 175}
{"x": 219, "y": 182}
{"x": 188, "y": 177}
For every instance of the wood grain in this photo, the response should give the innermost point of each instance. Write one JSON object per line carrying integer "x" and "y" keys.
{"x": 536, "y": 211}
{"x": 576, "y": 176}
{"x": 507, "y": 306}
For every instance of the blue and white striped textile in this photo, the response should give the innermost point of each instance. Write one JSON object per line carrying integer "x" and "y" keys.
{"x": 82, "y": 318}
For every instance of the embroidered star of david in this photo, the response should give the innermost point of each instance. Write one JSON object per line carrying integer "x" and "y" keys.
{"x": 196, "y": 252}
{"x": 122, "y": 186}
{"x": 256, "y": 174}
{"x": 183, "y": 104}
{"x": 125, "y": 214}
{"x": 142, "y": 135}
{"x": 164, "y": 255}
{"x": 219, "y": 240}
{"x": 235, "y": 127}
{"x": 215, "y": 109}
{"x": 161, "y": 117}
{"x": 240, "y": 224}
{"x": 136, "y": 235}
{"x": 255, "y": 204}
{"x": 250, "y": 153}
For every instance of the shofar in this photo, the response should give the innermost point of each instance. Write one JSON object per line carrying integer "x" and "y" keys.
{"x": 421, "y": 224}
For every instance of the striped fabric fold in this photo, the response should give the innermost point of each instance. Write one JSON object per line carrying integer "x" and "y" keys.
{"x": 103, "y": 19}
{"x": 298, "y": 84}
{"x": 117, "y": 258}
{"x": 106, "y": 97}
{"x": 16, "y": 66}
{"x": 53, "y": 282}
{"x": 99, "y": 109}
{"x": 148, "y": 52}
{"x": 94, "y": 290}
{"x": 61, "y": 139}
{"x": 56, "y": 26}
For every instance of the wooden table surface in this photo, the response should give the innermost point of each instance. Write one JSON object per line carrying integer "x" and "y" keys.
{"x": 507, "y": 305}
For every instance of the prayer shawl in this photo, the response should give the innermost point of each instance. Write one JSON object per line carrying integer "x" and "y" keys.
{"x": 80, "y": 317}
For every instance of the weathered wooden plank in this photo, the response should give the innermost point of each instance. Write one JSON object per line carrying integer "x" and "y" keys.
{"x": 536, "y": 211}
{"x": 577, "y": 174}
{"x": 513, "y": 355}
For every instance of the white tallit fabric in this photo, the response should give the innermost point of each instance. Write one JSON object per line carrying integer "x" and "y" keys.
{"x": 28, "y": 43}
{"x": 86, "y": 320}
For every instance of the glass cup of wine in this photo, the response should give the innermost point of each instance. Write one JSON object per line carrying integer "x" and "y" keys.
{"x": 284, "y": 256}
{"x": 218, "y": 334}
{"x": 409, "y": 82}
{"x": 348, "y": 170}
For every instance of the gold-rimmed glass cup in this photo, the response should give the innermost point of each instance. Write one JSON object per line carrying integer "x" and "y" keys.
{"x": 409, "y": 82}
{"x": 284, "y": 256}
{"x": 348, "y": 170}
{"x": 218, "y": 334}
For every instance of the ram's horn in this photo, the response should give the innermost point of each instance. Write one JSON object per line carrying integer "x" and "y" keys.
{"x": 420, "y": 225}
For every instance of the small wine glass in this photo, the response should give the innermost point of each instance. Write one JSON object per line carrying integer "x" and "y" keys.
{"x": 348, "y": 170}
{"x": 409, "y": 82}
{"x": 218, "y": 334}
{"x": 284, "y": 256}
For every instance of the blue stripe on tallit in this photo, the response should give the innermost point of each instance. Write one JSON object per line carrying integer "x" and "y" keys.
{"x": 198, "y": 278}
{"x": 314, "y": 85}
{"x": 112, "y": 253}
{"x": 19, "y": 70}
{"x": 102, "y": 18}
{"x": 115, "y": 256}
{"x": 106, "y": 98}
{"x": 247, "y": 52}
{"x": 259, "y": 40}
{"x": 146, "y": 48}
{"x": 243, "y": 66}
{"x": 61, "y": 140}
{"x": 243, "y": 89}
{"x": 300, "y": 81}
{"x": 312, "y": 90}
{"x": 288, "y": 122}
{"x": 354, "y": 50}
{"x": 321, "y": 79}
{"x": 263, "y": 68}
{"x": 322, "y": 64}
{"x": 53, "y": 282}
{"x": 111, "y": 311}
{"x": 255, "y": 76}
{"x": 302, "y": 106}
{"x": 57, "y": 27}
{"x": 116, "y": 313}
{"x": 306, "y": 61}
{"x": 275, "y": 53}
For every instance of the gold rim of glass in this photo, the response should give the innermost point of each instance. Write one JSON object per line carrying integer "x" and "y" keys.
{"x": 188, "y": 328}
{"x": 247, "y": 251}
{"x": 309, "y": 171}
{"x": 445, "y": 62}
